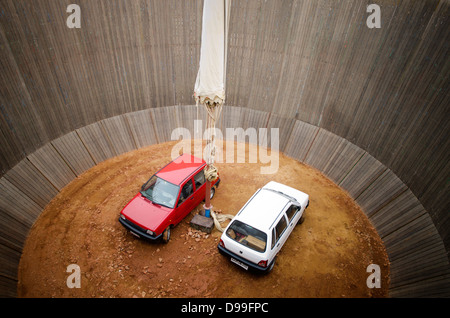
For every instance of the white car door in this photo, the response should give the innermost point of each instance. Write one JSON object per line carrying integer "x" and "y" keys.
{"x": 293, "y": 214}
{"x": 280, "y": 234}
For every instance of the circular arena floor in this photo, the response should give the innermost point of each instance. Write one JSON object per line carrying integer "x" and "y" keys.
{"x": 326, "y": 256}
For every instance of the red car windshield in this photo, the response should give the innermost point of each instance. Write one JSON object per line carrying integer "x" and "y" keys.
{"x": 160, "y": 191}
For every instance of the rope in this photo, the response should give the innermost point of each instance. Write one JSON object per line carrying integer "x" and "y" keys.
{"x": 211, "y": 173}
{"x": 213, "y": 110}
{"x": 219, "y": 218}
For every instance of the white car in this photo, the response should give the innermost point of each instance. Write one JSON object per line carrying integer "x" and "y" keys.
{"x": 256, "y": 234}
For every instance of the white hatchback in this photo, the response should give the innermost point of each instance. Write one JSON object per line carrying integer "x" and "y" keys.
{"x": 258, "y": 231}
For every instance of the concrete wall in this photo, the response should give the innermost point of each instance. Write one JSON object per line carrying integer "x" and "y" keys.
{"x": 348, "y": 100}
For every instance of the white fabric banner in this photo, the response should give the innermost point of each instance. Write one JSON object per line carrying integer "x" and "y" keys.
{"x": 210, "y": 82}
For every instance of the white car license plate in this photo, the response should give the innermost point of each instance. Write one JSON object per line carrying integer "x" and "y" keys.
{"x": 239, "y": 263}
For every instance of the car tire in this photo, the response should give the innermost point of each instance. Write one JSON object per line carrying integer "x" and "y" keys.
{"x": 271, "y": 265}
{"x": 166, "y": 235}
{"x": 301, "y": 220}
{"x": 213, "y": 191}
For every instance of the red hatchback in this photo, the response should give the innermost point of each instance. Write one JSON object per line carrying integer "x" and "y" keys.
{"x": 166, "y": 198}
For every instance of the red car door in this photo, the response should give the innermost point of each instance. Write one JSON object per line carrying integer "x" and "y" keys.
{"x": 186, "y": 200}
{"x": 199, "y": 182}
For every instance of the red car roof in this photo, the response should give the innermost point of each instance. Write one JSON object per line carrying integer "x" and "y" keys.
{"x": 179, "y": 169}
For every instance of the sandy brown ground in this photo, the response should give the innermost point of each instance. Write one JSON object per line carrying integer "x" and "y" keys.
{"x": 326, "y": 256}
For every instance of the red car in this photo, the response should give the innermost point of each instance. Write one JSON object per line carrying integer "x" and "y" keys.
{"x": 166, "y": 198}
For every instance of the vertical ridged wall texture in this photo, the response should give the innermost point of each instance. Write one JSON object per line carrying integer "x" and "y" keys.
{"x": 419, "y": 264}
{"x": 374, "y": 100}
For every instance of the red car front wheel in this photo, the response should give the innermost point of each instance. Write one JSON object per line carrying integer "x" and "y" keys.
{"x": 166, "y": 235}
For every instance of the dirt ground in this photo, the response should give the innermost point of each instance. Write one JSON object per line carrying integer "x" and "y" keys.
{"x": 326, "y": 256}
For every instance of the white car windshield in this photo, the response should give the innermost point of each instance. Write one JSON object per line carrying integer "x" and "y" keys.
{"x": 247, "y": 236}
{"x": 160, "y": 191}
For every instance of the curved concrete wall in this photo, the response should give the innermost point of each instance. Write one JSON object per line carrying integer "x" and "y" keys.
{"x": 370, "y": 101}
{"x": 419, "y": 265}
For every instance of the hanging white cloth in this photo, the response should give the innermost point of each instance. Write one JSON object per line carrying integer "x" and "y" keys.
{"x": 209, "y": 87}
{"x": 210, "y": 82}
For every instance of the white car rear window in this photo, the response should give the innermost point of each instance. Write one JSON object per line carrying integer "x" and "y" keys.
{"x": 247, "y": 236}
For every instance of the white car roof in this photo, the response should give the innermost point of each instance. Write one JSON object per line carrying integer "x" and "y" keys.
{"x": 263, "y": 208}
{"x": 289, "y": 191}
{"x": 261, "y": 211}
